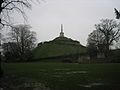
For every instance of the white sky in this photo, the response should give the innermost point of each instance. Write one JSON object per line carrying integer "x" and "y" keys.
{"x": 77, "y": 16}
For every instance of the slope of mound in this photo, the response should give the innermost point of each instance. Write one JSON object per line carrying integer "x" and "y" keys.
{"x": 58, "y": 47}
{"x": 65, "y": 40}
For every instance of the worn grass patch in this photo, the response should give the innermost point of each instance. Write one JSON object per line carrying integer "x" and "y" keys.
{"x": 61, "y": 76}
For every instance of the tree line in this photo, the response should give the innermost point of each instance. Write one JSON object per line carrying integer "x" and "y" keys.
{"x": 22, "y": 39}
{"x": 21, "y": 42}
{"x": 7, "y": 8}
{"x": 104, "y": 37}
{"x": 99, "y": 42}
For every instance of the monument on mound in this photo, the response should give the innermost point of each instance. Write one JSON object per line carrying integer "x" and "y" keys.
{"x": 61, "y": 33}
{"x": 64, "y": 40}
{"x": 60, "y": 46}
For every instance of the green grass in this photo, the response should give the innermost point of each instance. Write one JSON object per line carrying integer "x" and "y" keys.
{"x": 51, "y": 50}
{"x": 64, "y": 76}
{"x": 60, "y": 46}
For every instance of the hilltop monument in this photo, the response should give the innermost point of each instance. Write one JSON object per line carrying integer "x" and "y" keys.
{"x": 61, "y": 33}
{"x": 60, "y": 46}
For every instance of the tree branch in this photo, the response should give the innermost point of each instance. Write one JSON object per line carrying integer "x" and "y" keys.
{"x": 18, "y": 1}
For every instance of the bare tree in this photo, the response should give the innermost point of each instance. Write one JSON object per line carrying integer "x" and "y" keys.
{"x": 10, "y": 51}
{"x": 111, "y": 31}
{"x": 10, "y": 6}
{"x": 7, "y": 7}
{"x": 95, "y": 43}
{"x": 24, "y": 39}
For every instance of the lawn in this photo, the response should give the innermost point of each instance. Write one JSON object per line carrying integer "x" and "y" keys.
{"x": 60, "y": 76}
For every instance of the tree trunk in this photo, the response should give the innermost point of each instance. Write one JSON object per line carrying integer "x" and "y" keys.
{"x": 1, "y": 71}
{"x": 1, "y": 1}
{"x": 107, "y": 53}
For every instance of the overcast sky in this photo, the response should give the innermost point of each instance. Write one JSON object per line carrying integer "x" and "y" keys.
{"x": 77, "y": 16}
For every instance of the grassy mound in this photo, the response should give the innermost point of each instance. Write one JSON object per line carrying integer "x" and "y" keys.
{"x": 58, "y": 47}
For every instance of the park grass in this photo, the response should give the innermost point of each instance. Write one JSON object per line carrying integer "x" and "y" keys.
{"x": 63, "y": 76}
